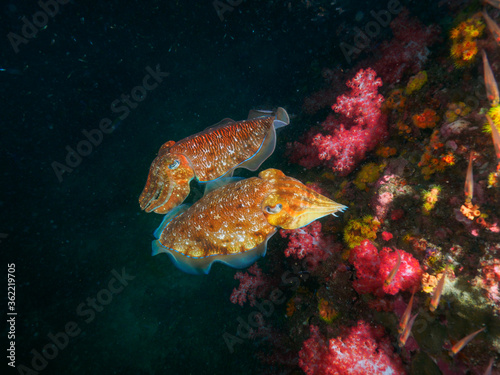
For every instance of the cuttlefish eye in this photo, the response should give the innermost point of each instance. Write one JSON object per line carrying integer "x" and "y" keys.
{"x": 174, "y": 165}
{"x": 275, "y": 209}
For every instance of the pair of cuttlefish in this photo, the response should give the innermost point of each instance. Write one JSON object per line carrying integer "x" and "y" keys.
{"x": 235, "y": 218}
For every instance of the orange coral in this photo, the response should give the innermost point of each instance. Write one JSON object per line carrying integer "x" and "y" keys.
{"x": 385, "y": 152}
{"x": 433, "y": 160}
{"x": 404, "y": 129}
{"x": 464, "y": 47}
{"x": 396, "y": 100}
{"x": 326, "y": 311}
{"x": 290, "y": 307}
{"x": 427, "y": 119}
{"x": 449, "y": 159}
{"x": 429, "y": 282}
{"x": 470, "y": 211}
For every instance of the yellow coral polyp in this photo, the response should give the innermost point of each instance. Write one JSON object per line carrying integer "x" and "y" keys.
{"x": 455, "y": 33}
{"x": 416, "y": 82}
{"x": 469, "y": 29}
{"x": 430, "y": 198}
{"x": 493, "y": 180}
{"x": 427, "y": 119}
{"x": 456, "y": 51}
{"x": 464, "y": 53}
{"x": 456, "y": 110}
{"x": 470, "y": 50}
{"x": 464, "y": 48}
{"x": 494, "y": 113}
{"x": 368, "y": 175}
{"x": 358, "y": 230}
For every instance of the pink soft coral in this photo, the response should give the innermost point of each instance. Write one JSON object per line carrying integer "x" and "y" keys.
{"x": 253, "y": 285}
{"x": 373, "y": 269}
{"x": 310, "y": 243}
{"x": 343, "y": 144}
{"x": 362, "y": 349}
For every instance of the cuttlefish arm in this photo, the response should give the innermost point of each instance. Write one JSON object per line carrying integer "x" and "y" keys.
{"x": 168, "y": 180}
{"x": 233, "y": 223}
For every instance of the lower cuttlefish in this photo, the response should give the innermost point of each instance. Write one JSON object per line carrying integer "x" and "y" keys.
{"x": 233, "y": 223}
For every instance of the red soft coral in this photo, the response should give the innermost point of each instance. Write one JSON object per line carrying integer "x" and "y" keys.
{"x": 362, "y": 349}
{"x": 373, "y": 269}
{"x": 343, "y": 144}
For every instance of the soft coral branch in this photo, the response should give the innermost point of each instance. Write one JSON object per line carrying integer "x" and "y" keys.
{"x": 343, "y": 144}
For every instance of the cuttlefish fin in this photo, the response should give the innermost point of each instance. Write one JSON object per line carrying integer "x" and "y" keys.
{"x": 269, "y": 143}
{"x": 168, "y": 218}
{"x": 221, "y": 123}
{"x": 243, "y": 260}
{"x": 202, "y": 265}
{"x": 222, "y": 181}
{"x": 282, "y": 118}
{"x": 255, "y": 113}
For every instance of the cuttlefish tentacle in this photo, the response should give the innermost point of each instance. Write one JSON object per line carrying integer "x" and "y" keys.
{"x": 233, "y": 223}
{"x": 214, "y": 153}
{"x": 168, "y": 181}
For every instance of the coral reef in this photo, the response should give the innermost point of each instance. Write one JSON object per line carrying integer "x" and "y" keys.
{"x": 253, "y": 285}
{"x": 373, "y": 269}
{"x": 362, "y": 349}
{"x": 343, "y": 144}
{"x": 464, "y": 37}
{"x": 419, "y": 243}
{"x": 408, "y": 50}
{"x": 358, "y": 230}
{"x": 416, "y": 82}
{"x": 427, "y": 119}
{"x": 308, "y": 242}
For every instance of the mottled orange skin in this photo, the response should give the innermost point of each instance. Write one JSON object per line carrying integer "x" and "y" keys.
{"x": 205, "y": 156}
{"x": 238, "y": 217}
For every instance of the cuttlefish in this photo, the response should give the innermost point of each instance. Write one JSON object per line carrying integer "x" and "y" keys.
{"x": 233, "y": 223}
{"x": 210, "y": 155}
